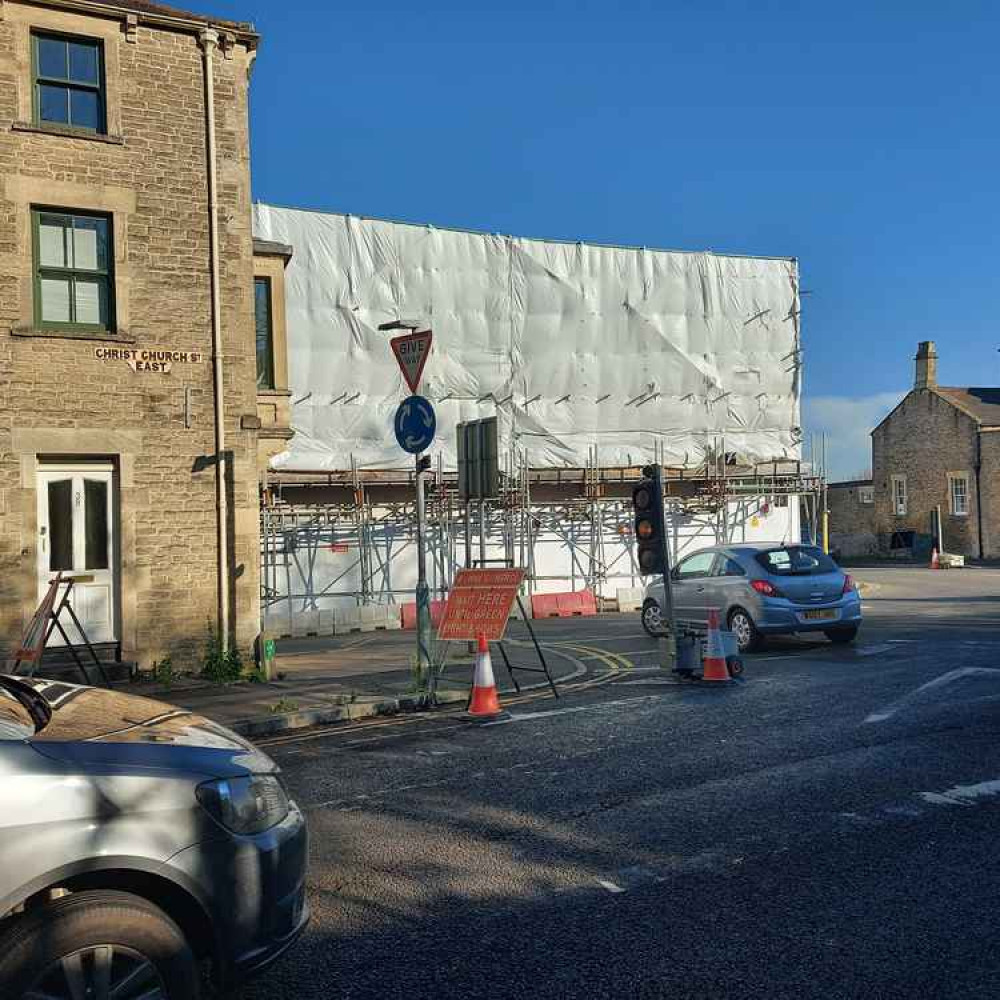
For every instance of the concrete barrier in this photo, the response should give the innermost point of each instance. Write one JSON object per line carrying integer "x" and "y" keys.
{"x": 366, "y": 618}
{"x": 630, "y": 598}
{"x": 276, "y": 622}
{"x": 305, "y": 623}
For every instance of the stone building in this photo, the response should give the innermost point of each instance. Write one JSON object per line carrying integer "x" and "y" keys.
{"x": 851, "y": 506}
{"x": 939, "y": 450}
{"x": 127, "y": 324}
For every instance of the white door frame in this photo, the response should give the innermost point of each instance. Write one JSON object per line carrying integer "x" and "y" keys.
{"x": 96, "y": 596}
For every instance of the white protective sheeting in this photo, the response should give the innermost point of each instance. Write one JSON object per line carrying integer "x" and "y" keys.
{"x": 572, "y": 345}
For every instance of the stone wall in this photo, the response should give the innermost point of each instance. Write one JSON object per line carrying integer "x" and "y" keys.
{"x": 924, "y": 439}
{"x": 852, "y": 522}
{"x": 57, "y": 400}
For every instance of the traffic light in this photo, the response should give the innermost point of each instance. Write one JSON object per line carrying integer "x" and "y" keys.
{"x": 647, "y": 502}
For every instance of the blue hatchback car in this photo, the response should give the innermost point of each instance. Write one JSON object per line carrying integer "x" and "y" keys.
{"x": 760, "y": 589}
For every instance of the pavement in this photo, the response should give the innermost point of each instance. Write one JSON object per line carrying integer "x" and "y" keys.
{"x": 826, "y": 827}
{"x": 323, "y": 680}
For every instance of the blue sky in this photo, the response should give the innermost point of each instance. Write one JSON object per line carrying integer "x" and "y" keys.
{"x": 860, "y": 138}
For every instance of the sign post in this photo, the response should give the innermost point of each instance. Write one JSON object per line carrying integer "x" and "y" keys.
{"x": 669, "y": 653}
{"x": 415, "y": 425}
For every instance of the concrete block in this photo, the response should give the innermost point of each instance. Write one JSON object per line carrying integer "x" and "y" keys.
{"x": 367, "y": 618}
{"x": 326, "y": 623}
{"x": 305, "y": 623}
{"x": 276, "y": 622}
{"x": 346, "y": 620}
{"x": 630, "y": 598}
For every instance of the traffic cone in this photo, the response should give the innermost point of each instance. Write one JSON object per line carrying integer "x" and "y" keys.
{"x": 714, "y": 664}
{"x": 484, "y": 702}
{"x": 935, "y": 559}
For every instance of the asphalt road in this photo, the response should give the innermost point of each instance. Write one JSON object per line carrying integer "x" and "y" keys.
{"x": 826, "y": 828}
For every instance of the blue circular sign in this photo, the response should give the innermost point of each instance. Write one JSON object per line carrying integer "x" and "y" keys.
{"x": 415, "y": 424}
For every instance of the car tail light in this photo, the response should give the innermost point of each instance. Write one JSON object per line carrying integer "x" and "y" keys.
{"x": 849, "y": 584}
{"x": 766, "y": 588}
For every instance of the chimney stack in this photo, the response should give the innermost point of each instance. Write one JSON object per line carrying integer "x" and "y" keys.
{"x": 926, "y": 359}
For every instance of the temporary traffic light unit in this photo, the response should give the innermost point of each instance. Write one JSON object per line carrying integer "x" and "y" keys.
{"x": 647, "y": 500}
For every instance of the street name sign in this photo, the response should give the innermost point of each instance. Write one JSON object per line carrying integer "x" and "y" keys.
{"x": 411, "y": 353}
{"x": 480, "y": 603}
{"x": 415, "y": 424}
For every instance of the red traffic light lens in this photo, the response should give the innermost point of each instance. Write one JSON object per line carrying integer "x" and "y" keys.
{"x": 645, "y": 530}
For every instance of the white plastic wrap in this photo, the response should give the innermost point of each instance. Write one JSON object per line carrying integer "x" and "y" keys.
{"x": 572, "y": 345}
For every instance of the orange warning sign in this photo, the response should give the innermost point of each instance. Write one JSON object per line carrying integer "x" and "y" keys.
{"x": 480, "y": 603}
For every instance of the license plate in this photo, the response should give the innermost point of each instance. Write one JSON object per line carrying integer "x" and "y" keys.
{"x": 822, "y": 616}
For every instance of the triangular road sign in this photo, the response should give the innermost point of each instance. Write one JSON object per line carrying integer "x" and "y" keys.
{"x": 411, "y": 352}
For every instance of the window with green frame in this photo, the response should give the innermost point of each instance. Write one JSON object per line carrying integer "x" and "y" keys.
{"x": 74, "y": 270}
{"x": 68, "y": 82}
{"x": 265, "y": 333}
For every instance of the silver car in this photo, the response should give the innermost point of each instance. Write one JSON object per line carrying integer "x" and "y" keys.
{"x": 760, "y": 589}
{"x": 141, "y": 845}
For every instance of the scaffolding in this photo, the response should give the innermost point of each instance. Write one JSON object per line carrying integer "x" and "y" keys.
{"x": 330, "y": 539}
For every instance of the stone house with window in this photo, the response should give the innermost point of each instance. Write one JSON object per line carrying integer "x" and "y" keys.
{"x": 134, "y": 417}
{"x": 851, "y": 508}
{"x": 939, "y": 451}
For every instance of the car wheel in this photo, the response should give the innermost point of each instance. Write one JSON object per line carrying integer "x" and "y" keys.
{"x": 842, "y": 635}
{"x": 97, "y": 945}
{"x": 741, "y": 625}
{"x": 652, "y": 619}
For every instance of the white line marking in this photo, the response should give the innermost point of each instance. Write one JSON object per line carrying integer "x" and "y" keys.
{"x": 524, "y": 716}
{"x": 610, "y": 886}
{"x": 651, "y": 682}
{"x": 963, "y": 795}
{"x": 873, "y": 650}
{"x": 953, "y": 675}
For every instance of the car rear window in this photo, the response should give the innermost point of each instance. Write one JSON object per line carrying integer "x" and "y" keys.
{"x": 796, "y": 560}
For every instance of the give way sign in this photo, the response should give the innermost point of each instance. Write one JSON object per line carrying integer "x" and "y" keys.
{"x": 411, "y": 352}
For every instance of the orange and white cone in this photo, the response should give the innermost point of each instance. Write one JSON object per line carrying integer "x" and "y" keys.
{"x": 484, "y": 702}
{"x": 714, "y": 664}
{"x": 935, "y": 559}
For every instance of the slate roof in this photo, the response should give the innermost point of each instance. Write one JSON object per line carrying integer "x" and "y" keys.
{"x": 147, "y": 7}
{"x": 982, "y": 404}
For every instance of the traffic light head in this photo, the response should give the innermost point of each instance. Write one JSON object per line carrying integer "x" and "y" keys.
{"x": 647, "y": 504}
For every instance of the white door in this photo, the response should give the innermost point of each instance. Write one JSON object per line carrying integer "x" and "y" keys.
{"x": 76, "y": 533}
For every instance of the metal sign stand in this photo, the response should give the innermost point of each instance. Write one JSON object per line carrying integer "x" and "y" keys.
{"x": 544, "y": 668}
{"x": 44, "y": 622}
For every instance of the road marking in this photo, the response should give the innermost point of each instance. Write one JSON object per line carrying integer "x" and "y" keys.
{"x": 652, "y": 681}
{"x": 873, "y": 650}
{"x": 939, "y": 682}
{"x": 610, "y": 886}
{"x": 572, "y": 710}
{"x": 963, "y": 795}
